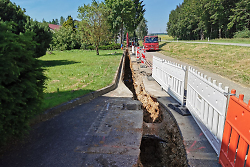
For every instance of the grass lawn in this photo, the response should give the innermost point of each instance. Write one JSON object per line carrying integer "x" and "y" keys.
{"x": 77, "y": 72}
{"x": 229, "y": 61}
{"x": 165, "y": 37}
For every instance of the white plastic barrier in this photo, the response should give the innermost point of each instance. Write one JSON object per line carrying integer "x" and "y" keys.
{"x": 171, "y": 77}
{"x": 207, "y": 103}
{"x": 157, "y": 69}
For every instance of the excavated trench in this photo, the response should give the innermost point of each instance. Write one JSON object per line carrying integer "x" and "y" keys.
{"x": 162, "y": 143}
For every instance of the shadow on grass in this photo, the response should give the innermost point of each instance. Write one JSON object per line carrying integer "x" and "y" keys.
{"x": 163, "y": 44}
{"x": 57, "y": 98}
{"x": 52, "y": 63}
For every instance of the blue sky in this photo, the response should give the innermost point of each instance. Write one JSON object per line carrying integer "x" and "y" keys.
{"x": 157, "y": 11}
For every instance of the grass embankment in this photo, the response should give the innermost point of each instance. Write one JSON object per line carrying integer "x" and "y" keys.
{"x": 75, "y": 73}
{"x": 228, "y": 61}
{"x": 222, "y": 40}
{"x": 230, "y": 40}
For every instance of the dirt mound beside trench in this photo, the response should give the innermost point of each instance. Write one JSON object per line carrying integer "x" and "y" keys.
{"x": 158, "y": 124}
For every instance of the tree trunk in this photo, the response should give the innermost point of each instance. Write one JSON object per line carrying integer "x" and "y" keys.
{"x": 97, "y": 50}
{"x": 121, "y": 33}
{"x": 219, "y": 32}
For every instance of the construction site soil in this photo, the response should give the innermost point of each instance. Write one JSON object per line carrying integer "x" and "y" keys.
{"x": 162, "y": 142}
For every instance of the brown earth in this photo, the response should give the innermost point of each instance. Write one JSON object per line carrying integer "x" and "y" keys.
{"x": 162, "y": 143}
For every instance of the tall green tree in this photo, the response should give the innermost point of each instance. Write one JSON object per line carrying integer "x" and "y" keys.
{"x": 12, "y": 12}
{"x": 94, "y": 24}
{"x": 241, "y": 16}
{"x": 62, "y": 20}
{"x": 142, "y": 28}
{"x": 138, "y": 15}
{"x": 42, "y": 36}
{"x": 120, "y": 15}
{"x": 199, "y": 19}
{"x": 69, "y": 23}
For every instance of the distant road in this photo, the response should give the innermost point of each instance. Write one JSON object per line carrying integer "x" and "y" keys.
{"x": 213, "y": 43}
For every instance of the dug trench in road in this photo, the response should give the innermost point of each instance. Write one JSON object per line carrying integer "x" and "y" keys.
{"x": 162, "y": 143}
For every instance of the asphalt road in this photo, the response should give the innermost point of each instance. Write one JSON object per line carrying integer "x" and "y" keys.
{"x": 102, "y": 132}
{"x": 213, "y": 43}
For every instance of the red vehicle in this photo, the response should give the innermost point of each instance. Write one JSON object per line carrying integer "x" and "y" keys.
{"x": 151, "y": 43}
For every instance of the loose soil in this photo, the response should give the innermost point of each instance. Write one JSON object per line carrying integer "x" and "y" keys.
{"x": 162, "y": 143}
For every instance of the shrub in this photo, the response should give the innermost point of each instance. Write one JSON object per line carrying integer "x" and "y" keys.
{"x": 65, "y": 39}
{"x": 43, "y": 36}
{"x": 21, "y": 82}
{"x": 242, "y": 34}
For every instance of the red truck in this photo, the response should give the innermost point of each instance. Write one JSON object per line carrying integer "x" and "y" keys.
{"x": 151, "y": 43}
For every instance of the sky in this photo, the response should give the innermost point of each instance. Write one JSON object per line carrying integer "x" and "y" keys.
{"x": 157, "y": 11}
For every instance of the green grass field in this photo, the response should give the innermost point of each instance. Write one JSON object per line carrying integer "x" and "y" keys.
{"x": 77, "y": 72}
{"x": 229, "y": 61}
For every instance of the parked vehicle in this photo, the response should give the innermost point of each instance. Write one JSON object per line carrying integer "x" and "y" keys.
{"x": 151, "y": 43}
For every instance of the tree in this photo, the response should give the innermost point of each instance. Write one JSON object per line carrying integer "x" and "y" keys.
{"x": 42, "y": 36}
{"x": 62, "y": 20}
{"x": 197, "y": 19}
{"x": 69, "y": 23}
{"x": 120, "y": 15}
{"x": 142, "y": 28}
{"x": 56, "y": 22}
{"x": 241, "y": 16}
{"x": 138, "y": 14}
{"x": 94, "y": 24}
{"x": 11, "y": 12}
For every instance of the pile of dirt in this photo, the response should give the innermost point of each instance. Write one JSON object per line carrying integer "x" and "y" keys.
{"x": 152, "y": 114}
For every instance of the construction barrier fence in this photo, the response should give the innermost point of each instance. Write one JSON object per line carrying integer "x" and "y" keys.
{"x": 225, "y": 123}
{"x": 236, "y": 138}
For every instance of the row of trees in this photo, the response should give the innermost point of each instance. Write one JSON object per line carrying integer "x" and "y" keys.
{"x": 22, "y": 41}
{"x": 199, "y": 19}
{"x": 101, "y": 23}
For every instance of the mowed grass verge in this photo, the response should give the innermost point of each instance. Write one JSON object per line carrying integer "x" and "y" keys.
{"x": 74, "y": 73}
{"x": 232, "y": 62}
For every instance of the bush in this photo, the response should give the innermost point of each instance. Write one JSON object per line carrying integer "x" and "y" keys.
{"x": 65, "y": 39}
{"x": 43, "y": 36}
{"x": 21, "y": 82}
{"x": 242, "y": 34}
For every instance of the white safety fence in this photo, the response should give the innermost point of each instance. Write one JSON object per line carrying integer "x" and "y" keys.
{"x": 207, "y": 103}
{"x": 171, "y": 77}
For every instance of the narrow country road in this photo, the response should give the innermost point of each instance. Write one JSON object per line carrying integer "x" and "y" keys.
{"x": 212, "y": 43}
